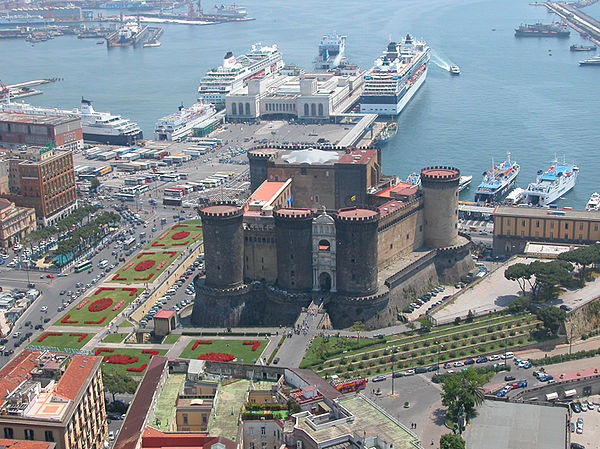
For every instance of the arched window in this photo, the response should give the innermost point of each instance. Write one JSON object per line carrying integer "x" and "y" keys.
{"x": 324, "y": 245}
{"x": 247, "y": 108}
{"x": 306, "y": 109}
{"x": 233, "y": 109}
{"x": 320, "y": 110}
{"x": 241, "y": 108}
{"x": 313, "y": 109}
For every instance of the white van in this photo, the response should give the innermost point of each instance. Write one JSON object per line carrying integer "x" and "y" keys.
{"x": 103, "y": 264}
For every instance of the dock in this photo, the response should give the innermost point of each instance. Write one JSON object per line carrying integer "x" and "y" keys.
{"x": 586, "y": 25}
{"x": 24, "y": 89}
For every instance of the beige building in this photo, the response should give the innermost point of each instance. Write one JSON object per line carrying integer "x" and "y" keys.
{"x": 53, "y": 398}
{"x": 514, "y": 227}
{"x": 15, "y": 222}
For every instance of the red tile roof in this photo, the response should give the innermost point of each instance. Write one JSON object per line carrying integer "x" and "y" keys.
{"x": 266, "y": 191}
{"x": 357, "y": 156}
{"x": 75, "y": 375}
{"x": 16, "y": 371}
{"x": 153, "y": 438}
{"x": 165, "y": 313}
{"x": 21, "y": 444}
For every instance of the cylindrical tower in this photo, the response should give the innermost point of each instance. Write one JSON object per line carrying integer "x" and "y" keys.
{"x": 356, "y": 234}
{"x": 259, "y": 162}
{"x": 440, "y": 196}
{"x": 293, "y": 228}
{"x": 223, "y": 244}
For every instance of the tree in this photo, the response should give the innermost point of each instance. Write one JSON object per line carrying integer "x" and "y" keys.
{"x": 451, "y": 441}
{"x": 358, "y": 326}
{"x": 548, "y": 275}
{"x": 520, "y": 273}
{"x": 94, "y": 184}
{"x": 426, "y": 324}
{"x": 584, "y": 256}
{"x": 552, "y": 317}
{"x": 519, "y": 305}
{"x": 118, "y": 384}
{"x": 463, "y": 388}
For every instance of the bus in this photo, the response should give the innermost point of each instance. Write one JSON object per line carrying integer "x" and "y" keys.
{"x": 128, "y": 243}
{"x": 348, "y": 385}
{"x": 173, "y": 192}
{"x": 171, "y": 201}
{"x": 83, "y": 265}
{"x": 125, "y": 196}
{"x": 103, "y": 264}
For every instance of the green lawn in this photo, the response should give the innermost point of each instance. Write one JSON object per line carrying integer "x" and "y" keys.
{"x": 62, "y": 341}
{"x": 193, "y": 227}
{"x": 112, "y": 368}
{"x": 114, "y": 338}
{"x": 171, "y": 338}
{"x": 243, "y": 353}
{"x": 125, "y": 323}
{"x": 128, "y": 274}
{"x": 79, "y": 317}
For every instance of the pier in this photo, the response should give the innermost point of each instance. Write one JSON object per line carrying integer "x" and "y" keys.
{"x": 24, "y": 89}
{"x": 586, "y": 25}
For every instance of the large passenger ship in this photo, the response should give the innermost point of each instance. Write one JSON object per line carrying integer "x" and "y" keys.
{"x": 497, "y": 181}
{"x": 182, "y": 123}
{"x": 395, "y": 78}
{"x": 102, "y": 127}
{"x": 551, "y": 184}
{"x": 235, "y": 72}
{"x": 331, "y": 52}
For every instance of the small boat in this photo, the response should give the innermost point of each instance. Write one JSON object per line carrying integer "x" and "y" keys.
{"x": 152, "y": 44}
{"x": 99, "y": 42}
{"x": 454, "y": 70}
{"x": 388, "y": 132}
{"x": 594, "y": 202}
{"x": 464, "y": 182}
{"x": 592, "y": 61}
{"x": 582, "y": 48}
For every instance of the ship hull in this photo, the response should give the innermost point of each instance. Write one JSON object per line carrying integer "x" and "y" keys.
{"x": 496, "y": 195}
{"x": 392, "y": 105}
{"x": 114, "y": 139}
{"x": 542, "y": 34}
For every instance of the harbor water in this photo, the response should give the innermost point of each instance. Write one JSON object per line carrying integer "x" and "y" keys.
{"x": 526, "y": 96}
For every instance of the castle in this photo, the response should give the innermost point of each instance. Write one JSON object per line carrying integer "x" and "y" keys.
{"x": 328, "y": 226}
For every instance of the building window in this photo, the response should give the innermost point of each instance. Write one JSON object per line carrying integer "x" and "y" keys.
{"x": 580, "y": 237}
{"x": 251, "y": 430}
{"x": 522, "y": 222}
{"x": 233, "y": 109}
{"x": 537, "y": 223}
{"x": 251, "y": 446}
{"x": 48, "y": 435}
{"x": 551, "y": 225}
{"x": 581, "y": 226}
{"x": 566, "y": 225}
{"x": 29, "y": 434}
{"x": 263, "y": 431}
{"x": 184, "y": 416}
{"x": 320, "y": 110}
{"x": 8, "y": 433}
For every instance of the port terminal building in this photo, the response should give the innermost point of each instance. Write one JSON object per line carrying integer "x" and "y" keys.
{"x": 293, "y": 93}
{"x": 515, "y": 227}
{"x": 325, "y": 226}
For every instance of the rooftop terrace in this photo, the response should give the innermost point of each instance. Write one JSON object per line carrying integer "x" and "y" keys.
{"x": 225, "y": 417}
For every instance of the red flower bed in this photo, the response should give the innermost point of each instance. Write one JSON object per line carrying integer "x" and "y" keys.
{"x": 152, "y": 352}
{"x": 201, "y": 342}
{"x": 255, "y": 344}
{"x": 196, "y": 235}
{"x": 145, "y": 264}
{"x": 140, "y": 369}
{"x": 158, "y": 244}
{"x": 116, "y": 277}
{"x": 132, "y": 290}
{"x": 100, "y": 350}
{"x": 163, "y": 235}
{"x": 179, "y": 226}
{"x": 180, "y": 235}
{"x": 182, "y": 243}
{"x": 81, "y": 336}
{"x": 144, "y": 279}
{"x": 101, "y": 289}
{"x": 100, "y": 304}
{"x": 217, "y": 357}
{"x": 49, "y": 334}
{"x": 66, "y": 320}
{"x": 121, "y": 359}
{"x": 199, "y": 226}
{"x": 95, "y": 322}
{"x": 171, "y": 253}
{"x": 145, "y": 253}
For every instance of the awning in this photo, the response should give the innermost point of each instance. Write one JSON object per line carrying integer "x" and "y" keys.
{"x": 570, "y": 393}
{"x": 551, "y": 396}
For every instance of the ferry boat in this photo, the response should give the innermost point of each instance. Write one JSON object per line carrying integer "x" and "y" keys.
{"x": 592, "y": 61}
{"x": 414, "y": 179}
{"x": 331, "y": 53}
{"x": 594, "y": 202}
{"x": 582, "y": 48}
{"x": 395, "y": 77}
{"x": 454, "y": 70}
{"x": 180, "y": 124}
{"x": 390, "y": 130}
{"x": 497, "y": 181}
{"x": 101, "y": 127}
{"x": 227, "y": 12}
{"x": 235, "y": 73}
{"x": 515, "y": 196}
{"x": 551, "y": 184}
{"x": 554, "y": 29}
{"x": 23, "y": 19}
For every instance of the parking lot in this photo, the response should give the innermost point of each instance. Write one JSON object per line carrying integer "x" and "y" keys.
{"x": 590, "y": 424}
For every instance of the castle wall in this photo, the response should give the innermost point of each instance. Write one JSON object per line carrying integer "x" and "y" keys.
{"x": 312, "y": 186}
{"x": 260, "y": 253}
{"x": 400, "y": 233}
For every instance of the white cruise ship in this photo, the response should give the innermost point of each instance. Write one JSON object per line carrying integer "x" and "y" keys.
{"x": 181, "y": 123}
{"x": 101, "y": 127}
{"x": 331, "y": 53}
{"x": 395, "y": 78}
{"x": 594, "y": 202}
{"x": 551, "y": 184}
{"x": 235, "y": 73}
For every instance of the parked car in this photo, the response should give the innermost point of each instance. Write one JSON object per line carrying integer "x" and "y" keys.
{"x": 378, "y": 379}
{"x": 509, "y": 378}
